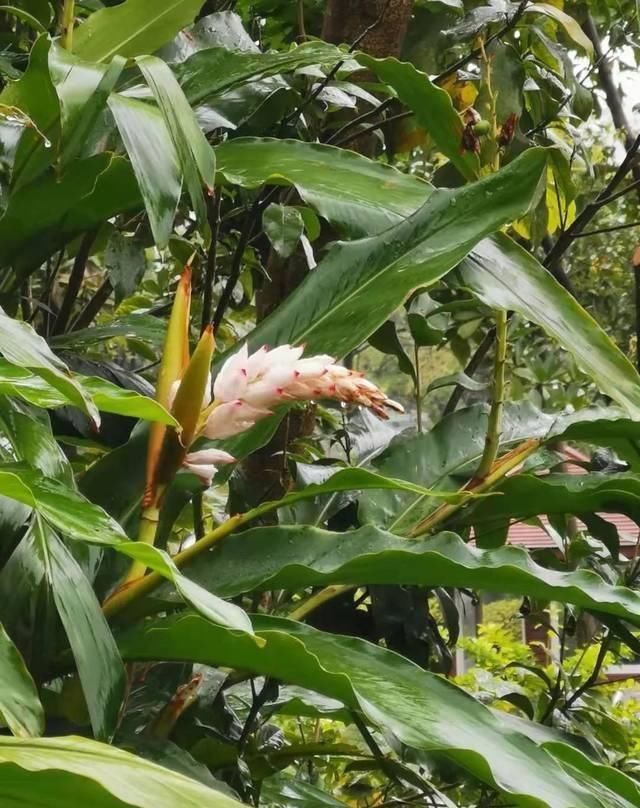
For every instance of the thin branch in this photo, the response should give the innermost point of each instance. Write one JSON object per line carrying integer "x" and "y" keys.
{"x": 494, "y": 426}
{"x": 612, "y": 229}
{"x": 380, "y": 125}
{"x": 297, "y": 112}
{"x": 472, "y": 366}
{"x": 366, "y": 116}
{"x": 565, "y": 240}
{"x": 94, "y": 306}
{"x": 236, "y": 267}
{"x": 76, "y": 277}
{"x": 631, "y": 187}
{"x": 211, "y": 270}
{"x": 595, "y": 673}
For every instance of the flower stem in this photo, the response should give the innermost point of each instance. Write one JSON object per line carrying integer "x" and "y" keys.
{"x": 146, "y": 534}
{"x": 494, "y": 427}
{"x": 67, "y": 21}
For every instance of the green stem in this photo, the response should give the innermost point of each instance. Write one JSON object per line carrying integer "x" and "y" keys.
{"x": 494, "y": 427}
{"x": 146, "y": 534}
{"x": 502, "y": 467}
{"x": 319, "y": 599}
{"x": 67, "y": 23}
{"x": 418, "y": 386}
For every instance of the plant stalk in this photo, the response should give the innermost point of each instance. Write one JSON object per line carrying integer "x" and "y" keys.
{"x": 494, "y": 427}
{"x": 501, "y": 468}
{"x": 147, "y": 535}
{"x": 66, "y": 24}
{"x": 418, "y": 387}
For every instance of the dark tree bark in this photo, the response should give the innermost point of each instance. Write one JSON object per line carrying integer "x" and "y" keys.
{"x": 345, "y": 20}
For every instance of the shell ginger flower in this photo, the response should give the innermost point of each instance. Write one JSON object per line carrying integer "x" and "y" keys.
{"x": 249, "y": 385}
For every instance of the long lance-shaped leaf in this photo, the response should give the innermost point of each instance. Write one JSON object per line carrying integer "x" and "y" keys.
{"x": 108, "y": 397}
{"x": 22, "y": 346}
{"x": 197, "y": 158}
{"x": 78, "y": 519}
{"x": 154, "y": 161}
{"x": 295, "y": 557}
{"x": 421, "y": 709}
{"x": 20, "y": 705}
{"x": 446, "y": 457}
{"x": 525, "y": 495}
{"x": 359, "y": 283}
{"x": 357, "y": 195}
{"x": 432, "y": 106}
{"x": 505, "y": 276}
{"x": 214, "y": 71}
{"x": 56, "y": 772}
{"x": 99, "y": 665}
{"x": 132, "y": 28}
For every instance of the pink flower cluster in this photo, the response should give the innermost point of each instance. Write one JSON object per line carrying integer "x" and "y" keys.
{"x": 248, "y": 386}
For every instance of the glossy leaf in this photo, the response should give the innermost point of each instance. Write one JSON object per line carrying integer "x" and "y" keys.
{"x": 131, "y": 28}
{"x": 196, "y": 156}
{"x": 419, "y": 708}
{"x": 143, "y": 327}
{"x": 154, "y": 159}
{"x": 527, "y": 495}
{"x": 83, "y": 88}
{"x": 214, "y": 71}
{"x": 22, "y": 346}
{"x": 78, "y": 519}
{"x": 356, "y": 287}
{"x": 432, "y": 106}
{"x": 359, "y": 195}
{"x": 505, "y": 276}
{"x": 34, "y": 96}
{"x": 48, "y": 213}
{"x": 99, "y": 665}
{"x": 571, "y": 26}
{"x": 19, "y": 702}
{"x": 302, "y": 556}
{"x": 447, "y": 456}
{"x": 106, "y": 396}
{"x": 58, "y": 772}
{"x": 283, "y": 225}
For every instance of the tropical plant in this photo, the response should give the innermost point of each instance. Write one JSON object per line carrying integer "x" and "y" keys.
{"x": 231, "y": 568}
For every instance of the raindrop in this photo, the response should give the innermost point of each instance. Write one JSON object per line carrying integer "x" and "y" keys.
{"x": 47, "y": 143}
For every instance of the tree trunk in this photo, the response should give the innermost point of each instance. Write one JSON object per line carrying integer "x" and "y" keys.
{"x": 346, "y": 20}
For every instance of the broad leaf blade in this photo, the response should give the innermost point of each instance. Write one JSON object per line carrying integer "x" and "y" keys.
{"x": 505, "y": 276}
{"x": 154, "y": 159}
{"x": 19, "y": 702}
{"x": 356, "y": 287}
{"x": 421, "y": 709}
{"x": 132, "y": 28}
{"x": 301, "y": 556}
{"x": 90, "y": 773}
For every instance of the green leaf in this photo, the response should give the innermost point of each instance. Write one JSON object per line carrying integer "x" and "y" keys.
{"x": 19, "y": 702}
{"x": 60, "y": 772}
{"x": 432, "y": 106}
{"x": 386, "y": 340}
{"x": 571, "y": 26}
{"x": 215, "y": 71}
{"x": 459, "y": 380}
{"x": 83, "y": 89}
{"x": 419, "y": 708}
{"x": 527, "y": 495}
{"x": 154, "y": 159}
{"x": 303, "y": 556}
{"x": 99, "y": 665}
{"x": 132, "y": 28}
{"x": 197, "y": 158}
{"x": 78, "y": 519}
{"x": 359, "y": 195}
{"x": 447, "y": 456}
{"x": 283, "y": 225}
{"x": 125, "y": 263}
{"x": 34, "y": 95}
{"x": 21, "y": 346}
{"x": 23, "y": 15}
{"x": 46, "y": 214}
{"x": 143, "y": 327}
{"x": 356, "y": 287}
{"x": 106, "y": 396}
{"x": 505, "y": 276}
